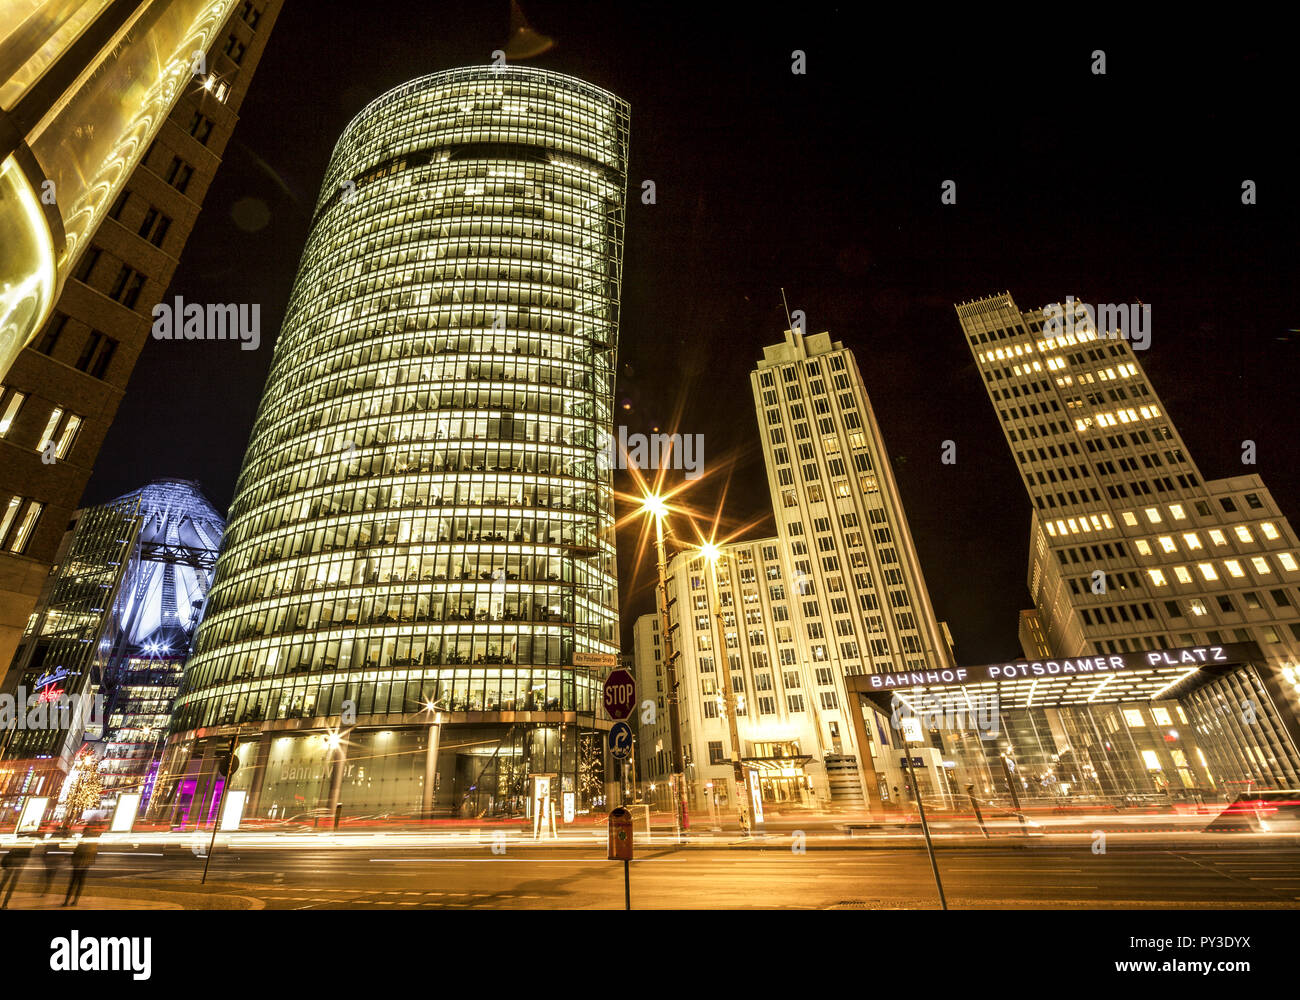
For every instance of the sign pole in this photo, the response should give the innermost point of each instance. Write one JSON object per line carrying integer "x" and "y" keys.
{"x": 620, "y": 848}
{"x": 227, "y": 773}
{"x": 925, "y": 827}
{"x": 1015, "y": 795}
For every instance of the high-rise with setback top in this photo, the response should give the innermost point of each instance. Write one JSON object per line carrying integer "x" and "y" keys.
{"x": 1131, "y": 548}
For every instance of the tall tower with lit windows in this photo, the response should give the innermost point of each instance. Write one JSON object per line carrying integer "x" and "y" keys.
{"x": 1130, "y": 547}
{"x": 421, "y": 538}
{"x": 857, "y": 591}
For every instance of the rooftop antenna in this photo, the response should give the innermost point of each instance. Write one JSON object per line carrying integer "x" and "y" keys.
{"x": 786, "y": 304}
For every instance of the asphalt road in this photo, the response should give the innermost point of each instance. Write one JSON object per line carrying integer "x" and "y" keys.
{"x": 397, "y": 878}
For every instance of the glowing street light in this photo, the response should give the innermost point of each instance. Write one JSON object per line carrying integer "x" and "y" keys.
{"x": 655, "y": 505}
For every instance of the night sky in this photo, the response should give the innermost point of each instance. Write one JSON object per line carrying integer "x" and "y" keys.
{"x": 1117, "y": 188}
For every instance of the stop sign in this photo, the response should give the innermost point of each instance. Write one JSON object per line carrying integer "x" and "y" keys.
{"x": 620, "y": 694}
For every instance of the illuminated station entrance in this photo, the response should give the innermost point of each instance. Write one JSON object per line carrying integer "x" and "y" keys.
{"x": 1193, "y": 724}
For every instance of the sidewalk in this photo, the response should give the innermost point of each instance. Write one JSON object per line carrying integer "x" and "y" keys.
{"x": 35, "y": 901}
{"x": 102, "y": 896}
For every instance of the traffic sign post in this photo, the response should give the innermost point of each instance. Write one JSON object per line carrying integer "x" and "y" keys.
{"x": 619, "y": 699}
{"x": 227, "y": 766}
{"x": 620, "y": 741}
{"x": 620, "y": 847}
{"x": 620, "y": 694}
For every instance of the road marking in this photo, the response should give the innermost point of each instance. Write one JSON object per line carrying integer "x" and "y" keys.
{"x": 1073, "y": 871}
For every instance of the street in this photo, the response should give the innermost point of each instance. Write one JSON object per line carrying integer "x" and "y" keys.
{"x": 1053, "y": 874}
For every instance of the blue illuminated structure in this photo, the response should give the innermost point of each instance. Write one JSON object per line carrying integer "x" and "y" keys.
{"x": 116, "y": 620}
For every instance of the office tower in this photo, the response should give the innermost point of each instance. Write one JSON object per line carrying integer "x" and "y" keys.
{"x": 857, "y": 580}
{"x": 421, "y": 538}
{"x": 1131, "y": 548}
{"x": 116, "y": 621}
{"x": 132, "y": 155}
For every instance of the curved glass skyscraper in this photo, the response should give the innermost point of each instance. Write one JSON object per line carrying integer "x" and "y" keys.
{"x": 422, "y": 536}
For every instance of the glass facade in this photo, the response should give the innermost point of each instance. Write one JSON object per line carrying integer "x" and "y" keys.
{"x": 422, "y": 523}
{"x": 78, "y": 117}
{"x": 61, "y": 652}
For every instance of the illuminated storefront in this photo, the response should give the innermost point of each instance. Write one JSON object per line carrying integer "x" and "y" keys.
{"x": 1187, "y": 724}
{"x": 422, "y": 533}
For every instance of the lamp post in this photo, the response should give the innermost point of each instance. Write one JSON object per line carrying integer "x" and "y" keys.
{"x": 711, "y": 553}
{"x": 656, "y": 508}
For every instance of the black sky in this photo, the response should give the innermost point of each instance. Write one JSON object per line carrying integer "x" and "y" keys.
{"x": 1116, "y": 188}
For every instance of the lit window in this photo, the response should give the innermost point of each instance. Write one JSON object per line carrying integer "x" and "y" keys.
{"x": 1270, "y": 532}
{"x": 1151, "y": 760}
{"x": 1288, "y": 561}
{"x": 1191, "y": 540}
{"x": 1181, "y": 572}
{"x": 8, "y": 515}
{"x": 1133, "y": 717}
{"x": 25, "y": 527}
{"x": 1261, "y": 565}
{"x": 1161, "y": 715}
{"x": 1218, "y": 537}
{"x": 47, "y": 435}
{"x": 1178, "y": 512}
{"x": 1207, "y": 571}
{"x": 67, "y": 435}
{"x": 1243, "y": 533}
{"x": 1157, "y": 577}
{"x": 1197, "y": 606}
{"x": 1143, "y": 547}
{"x": 1130, "y": 519}
{"x": 1153, "y": 515}
{"x": 11, "y": 407}
{"x": 1167, "y": 544}
{"x": 1234, "y": 567}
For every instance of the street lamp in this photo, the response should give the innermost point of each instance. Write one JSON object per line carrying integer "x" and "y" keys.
{"x": 657, "y": 508}
{"x": 710, "y": 552}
